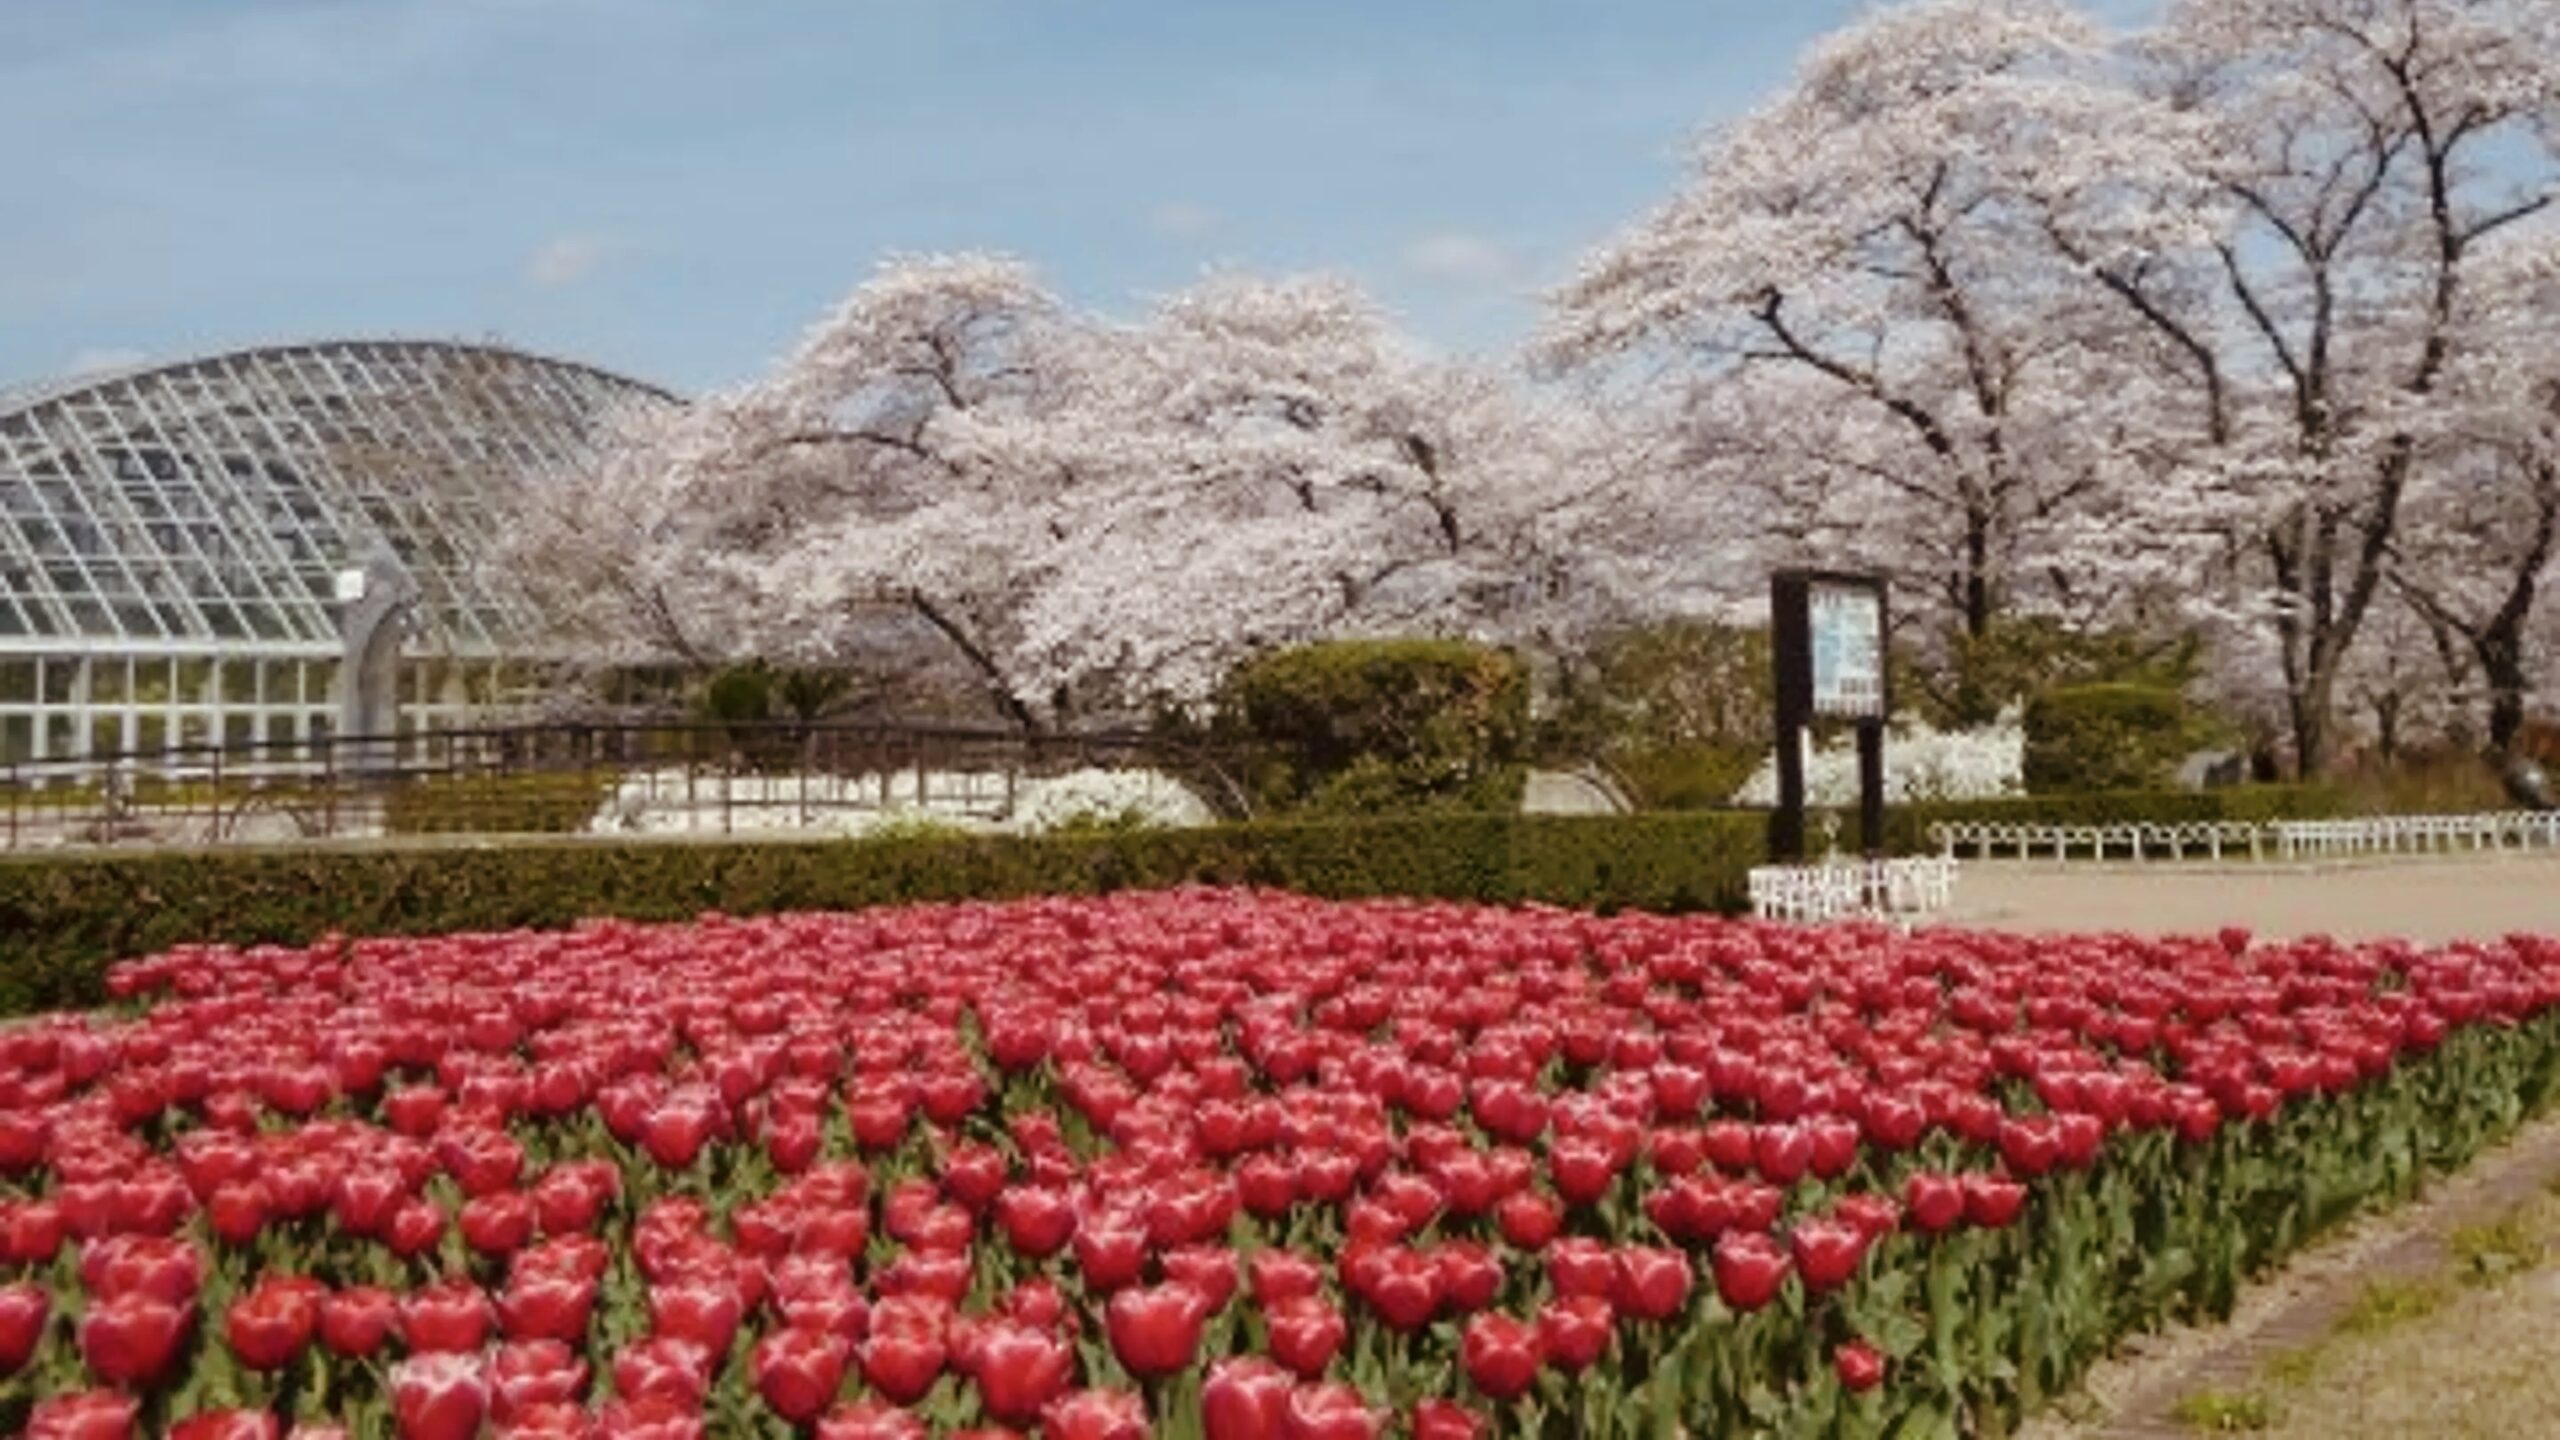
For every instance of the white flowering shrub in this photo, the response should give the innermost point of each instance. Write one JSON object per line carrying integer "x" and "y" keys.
{"x": 1107, "y": 797}
{"x": 1921, "y": 762}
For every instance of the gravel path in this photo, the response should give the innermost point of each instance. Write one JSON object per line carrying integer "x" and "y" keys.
{"x": 2430, "y": 899}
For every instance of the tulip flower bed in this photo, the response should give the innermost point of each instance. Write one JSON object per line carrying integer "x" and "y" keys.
{"x": 1197, "y": 1163}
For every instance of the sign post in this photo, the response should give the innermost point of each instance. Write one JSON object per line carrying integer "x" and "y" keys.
{"x": 1827, "y": 634}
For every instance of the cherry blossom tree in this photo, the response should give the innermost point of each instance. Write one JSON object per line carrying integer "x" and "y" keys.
{"x": 2481, "y": 537}
{"x": 1863, "y": 285}
{"x": 1106, "y": 516}
{"x": 2360, "y": 153}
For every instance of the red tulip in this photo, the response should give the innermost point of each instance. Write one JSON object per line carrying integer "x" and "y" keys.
{"x": 441, "y": 1396}
{"x": 1037, "y": 1220}
{"x": 1155, "y": 1330}
{"x": 1749, "y": 1268}
{"x": 1405, "y": 1288}
{"x": 1827, "y": 1252}
{"x": 1574, "y": 1331}
{"x": 541, "y": 1305}
{"x": 1111, "y": 1250}
{"x": 1650, "y": 1283}
{"x": 798, "y": 1371}
{"x": 1860, "y": 1367}
{"x": 1332, "y": 1411}
{"x": 1021, "y": 1368}
{"x": 355, "y": 1321}
{"x": 1279, "y": 1275}
{"x": 1991, "y": 1201}
{"x": 1582, "y": 1169}
{"x": 1527, "y": 1219}
{"x": 499, "y": 1223}
{"x": 227, "y": 1425}
{"x": 871, "y": 1419}
{"x": 1502, "y": 1354}
{"x": 24, "y": 1309}
{"x": 526, "y": 1374}
{"x": 663, "y": 1366}
{"x": 1245, "y": 1398}
{"x": 88, "y": 1415}
{"x": 1438, "y": 1419}
{"x": 165, "y": 1269}
{"x": 1580, "y": 1265}
{"x": 1470, "y": 1275}
{"x": 703, "y": 1310}
{"x": 1932, "y": 1202}
{"x": 1305, "y": 1334}
{"x": 1781, "y": 1153}
{"x": 30, "y": 1231}
{"x": 449, "y": 1316}
{"x": 1095, "y": 1415}
{"x": 416, "y": 1227}
{"x": 129, "y": 1339}
{"x": 271, "y": 1324}
{"x": 902, "y": 1362}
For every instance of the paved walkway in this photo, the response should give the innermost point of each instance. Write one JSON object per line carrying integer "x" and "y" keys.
{"x": 2430, "y": 898}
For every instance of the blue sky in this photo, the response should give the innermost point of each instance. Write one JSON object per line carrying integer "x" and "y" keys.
{"x": 675, "y": 188}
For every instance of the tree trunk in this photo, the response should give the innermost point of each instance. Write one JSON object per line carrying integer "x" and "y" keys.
{"x": 999, "y": 691}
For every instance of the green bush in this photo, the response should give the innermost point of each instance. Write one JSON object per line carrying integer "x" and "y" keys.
{"x": 2086, "y": 738}
{"x": 1678, "y": 710}
{"x": 1374, "y": 727}
{"x": 1696, "y": 776}
{"x": 63, "y": 919}
{"x": 563, "y": 803}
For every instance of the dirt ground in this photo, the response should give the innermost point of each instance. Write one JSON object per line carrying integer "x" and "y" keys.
{"x": 2422, "y": 898}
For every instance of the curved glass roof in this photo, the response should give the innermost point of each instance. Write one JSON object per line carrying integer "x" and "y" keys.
{"x": 211, "y": 503}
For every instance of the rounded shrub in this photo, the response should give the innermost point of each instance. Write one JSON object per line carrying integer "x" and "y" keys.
{"x": 2110, "y": 737}
{"x": 1379, "y": 726}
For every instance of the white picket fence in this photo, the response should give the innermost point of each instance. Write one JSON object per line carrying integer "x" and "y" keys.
{"x": 2281, "y": 839}
{"x": 1840, "y": 889}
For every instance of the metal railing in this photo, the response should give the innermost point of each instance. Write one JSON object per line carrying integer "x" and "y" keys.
{"x": 1901, "y": 889}
{"x": 559, "y": 778}
{"x": 2276, "y": 839}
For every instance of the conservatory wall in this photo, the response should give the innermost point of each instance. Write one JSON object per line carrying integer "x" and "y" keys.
{"x": 171, "y": 539}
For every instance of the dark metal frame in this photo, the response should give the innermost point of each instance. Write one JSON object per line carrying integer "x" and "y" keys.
{"x": 1791, "y": 649}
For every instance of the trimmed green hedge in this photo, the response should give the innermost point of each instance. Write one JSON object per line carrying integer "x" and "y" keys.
{"x": 1909, "y": 825}
{"x": 64, "y": 918}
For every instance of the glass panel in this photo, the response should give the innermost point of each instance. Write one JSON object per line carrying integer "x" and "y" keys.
{"x": 17, "y": 738}
{"x": 151, "y": 680}
{"x": 59, "y": 743}
{"x": 320, "y": 681}
{"x": 61, "y": 673}
{"x": 282, "y": 683}
{"x": 17, "y": 682}
{"x": 106, "y": 734}
{"x": 239, "y": 729}
{"x": 239, "y": 682}
{"x": 195, "y": 679}
{"x": 110, "y": 679}
{"x": 194, "y": 728}
{"x": 150, "y": 733}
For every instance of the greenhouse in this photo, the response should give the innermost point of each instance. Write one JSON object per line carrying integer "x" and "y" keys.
{"x": 172, "y": 537}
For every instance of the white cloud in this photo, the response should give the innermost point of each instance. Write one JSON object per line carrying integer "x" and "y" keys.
{"x": 104, "y": 357}
{"x": 1182, "y": 220}
{"x": 1456, "y": 257}
{"x": 563, "y": 261}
